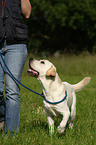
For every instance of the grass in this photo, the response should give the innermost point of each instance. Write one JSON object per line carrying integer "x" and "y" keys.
{"x": 33, "y": 123}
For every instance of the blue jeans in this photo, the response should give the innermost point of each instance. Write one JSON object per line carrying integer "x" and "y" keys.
{"x": 15, "y": 57}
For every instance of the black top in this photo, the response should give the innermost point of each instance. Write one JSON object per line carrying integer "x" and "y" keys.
{"x": 12, "y": 27}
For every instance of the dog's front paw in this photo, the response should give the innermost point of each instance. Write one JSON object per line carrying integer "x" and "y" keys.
{"x": 60, "y": 129}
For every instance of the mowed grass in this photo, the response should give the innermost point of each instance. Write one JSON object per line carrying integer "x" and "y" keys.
{"x": 33, "y": 122}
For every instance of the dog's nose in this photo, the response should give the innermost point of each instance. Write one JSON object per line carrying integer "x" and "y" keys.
{"x": 31, "y": 59}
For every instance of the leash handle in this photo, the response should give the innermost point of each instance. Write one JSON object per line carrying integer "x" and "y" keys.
{"x": 30, "y": 89}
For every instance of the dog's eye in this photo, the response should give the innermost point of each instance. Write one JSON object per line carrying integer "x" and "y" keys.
{"x": 42, "y": 62}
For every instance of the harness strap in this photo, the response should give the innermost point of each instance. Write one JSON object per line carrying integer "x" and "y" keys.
{"x": 29, "y": 88}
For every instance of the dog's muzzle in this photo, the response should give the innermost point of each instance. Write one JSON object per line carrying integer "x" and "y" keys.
{"x": 31, "y": 71}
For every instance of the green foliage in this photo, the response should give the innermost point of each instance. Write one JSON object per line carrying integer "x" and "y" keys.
{"x": 64, "y": 25}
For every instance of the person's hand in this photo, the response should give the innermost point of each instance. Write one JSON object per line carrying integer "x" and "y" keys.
{"x": 26, "y": 8}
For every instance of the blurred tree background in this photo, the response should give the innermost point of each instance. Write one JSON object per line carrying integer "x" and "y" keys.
{"x": 65, "y": 25}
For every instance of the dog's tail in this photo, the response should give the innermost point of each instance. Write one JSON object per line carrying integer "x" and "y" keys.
{"x": 79, "y": 86}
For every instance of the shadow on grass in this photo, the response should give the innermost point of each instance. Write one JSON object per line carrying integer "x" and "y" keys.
{"x": 38, "y": 125}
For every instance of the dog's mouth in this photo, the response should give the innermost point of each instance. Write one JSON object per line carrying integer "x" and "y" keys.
{"x": 32, "y": 72}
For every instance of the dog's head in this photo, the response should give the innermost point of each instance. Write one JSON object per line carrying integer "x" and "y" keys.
{"x": 41, "y": 68}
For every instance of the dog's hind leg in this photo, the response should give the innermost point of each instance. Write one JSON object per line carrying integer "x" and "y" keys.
{"x": 64, "y": 121}
{"x": 73, "y": 110}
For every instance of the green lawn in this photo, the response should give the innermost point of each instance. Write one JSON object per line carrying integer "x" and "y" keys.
{"x": 33, "y": 123}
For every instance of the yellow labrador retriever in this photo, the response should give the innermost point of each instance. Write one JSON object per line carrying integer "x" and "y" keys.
{"x": 54, "y": 91}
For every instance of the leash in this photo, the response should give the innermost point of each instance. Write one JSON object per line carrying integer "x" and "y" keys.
{"x": 29, "y": 88}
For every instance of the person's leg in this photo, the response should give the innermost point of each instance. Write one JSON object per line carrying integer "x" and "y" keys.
{"x": 2, "y": 101}
{"x": 15, "y": 58}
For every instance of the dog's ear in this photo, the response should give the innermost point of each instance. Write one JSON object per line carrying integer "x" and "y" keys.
{"x": 51, "y": 72}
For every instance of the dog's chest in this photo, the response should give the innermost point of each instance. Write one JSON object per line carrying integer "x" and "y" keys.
{"x": 52, "y": 109}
